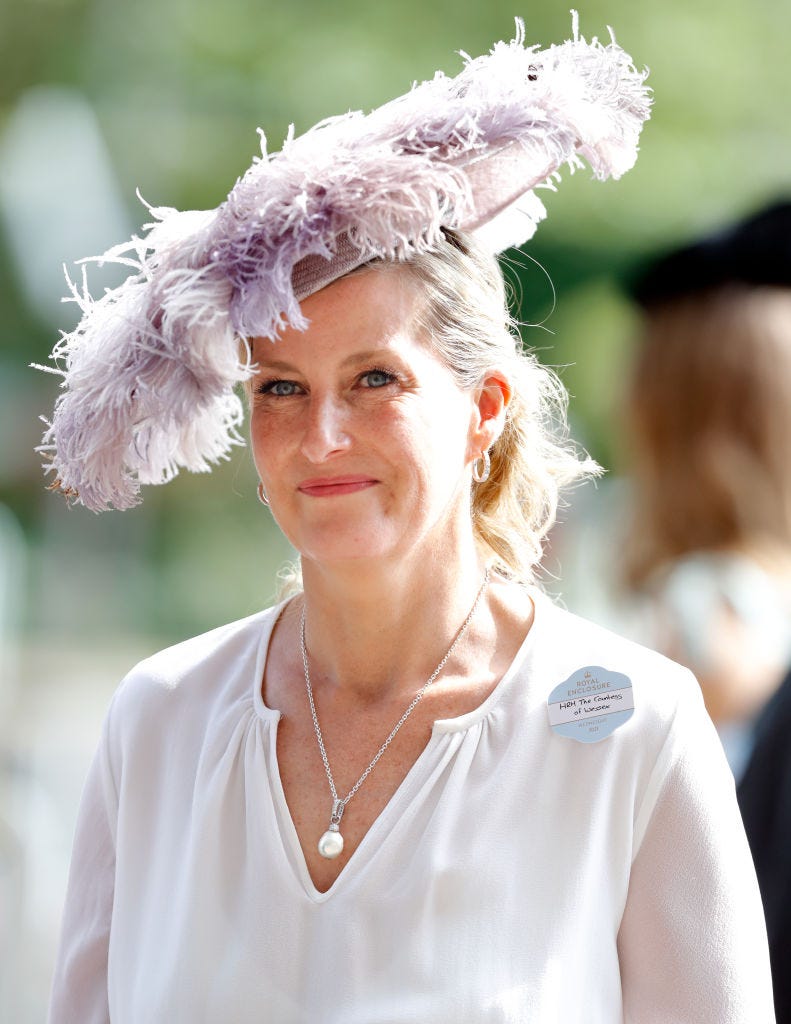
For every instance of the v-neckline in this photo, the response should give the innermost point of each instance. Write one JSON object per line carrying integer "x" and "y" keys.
{"x": 379, "y": 830}
{"x": 287, "y": 831}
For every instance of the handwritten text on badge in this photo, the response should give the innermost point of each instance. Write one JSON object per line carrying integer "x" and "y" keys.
{"x": 591, "y": 704}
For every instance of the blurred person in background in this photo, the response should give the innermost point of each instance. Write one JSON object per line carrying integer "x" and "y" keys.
{"x": 414, "y": 790}
{"x": 709, "y": 411}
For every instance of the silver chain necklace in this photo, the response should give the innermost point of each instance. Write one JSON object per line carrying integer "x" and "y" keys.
{"x": 331, "y": 842}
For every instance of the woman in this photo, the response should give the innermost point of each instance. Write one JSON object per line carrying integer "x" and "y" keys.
{"x": 415, "y": 790}
{"x": 710, "y": 415}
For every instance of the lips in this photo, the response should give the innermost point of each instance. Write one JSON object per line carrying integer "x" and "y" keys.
{"x": 326, "y": 487}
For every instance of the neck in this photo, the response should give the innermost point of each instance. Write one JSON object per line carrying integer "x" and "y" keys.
{"x": 379, "y": 630}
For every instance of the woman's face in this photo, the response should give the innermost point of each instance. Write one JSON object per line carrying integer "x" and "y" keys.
{"x": 360, "y": 435}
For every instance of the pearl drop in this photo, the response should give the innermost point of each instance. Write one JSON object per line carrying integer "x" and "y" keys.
{"x": 330, "y": 845}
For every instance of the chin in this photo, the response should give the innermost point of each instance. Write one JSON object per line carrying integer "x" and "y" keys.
{"x": 345, "y": 542}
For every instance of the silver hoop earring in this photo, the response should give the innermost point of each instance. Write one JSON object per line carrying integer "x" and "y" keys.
{"x": 263, "y": 497}
{"x": 481, "y": 474}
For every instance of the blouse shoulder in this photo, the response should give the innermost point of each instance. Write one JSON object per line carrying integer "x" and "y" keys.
{"x": 188, "y": 676}
{"x": 172, "y": 665}
{"x": 660, "y": 685}
{"x": 668, "y": 731}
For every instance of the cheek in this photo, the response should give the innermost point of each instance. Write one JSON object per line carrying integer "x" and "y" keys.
{"x": 269, "y": 438}
{"x": 436, "y": 445}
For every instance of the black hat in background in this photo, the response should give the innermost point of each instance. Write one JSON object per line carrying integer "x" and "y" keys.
{"x": 755, "y": 251}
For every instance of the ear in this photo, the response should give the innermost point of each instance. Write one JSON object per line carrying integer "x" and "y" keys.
{"x": 491, "y": 402}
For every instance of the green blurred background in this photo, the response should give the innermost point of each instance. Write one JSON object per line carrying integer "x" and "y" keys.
{"x": 99, "y": 98}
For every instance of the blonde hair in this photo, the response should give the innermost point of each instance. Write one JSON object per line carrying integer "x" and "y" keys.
{"x": 710, "y": 411}
{"x": 466, "y": 321}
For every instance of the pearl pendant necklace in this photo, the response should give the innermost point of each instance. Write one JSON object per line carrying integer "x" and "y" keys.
{"x": 331, "y": 843}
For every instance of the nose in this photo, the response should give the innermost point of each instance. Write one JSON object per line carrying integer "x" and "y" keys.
{"x": 325, "y": 428}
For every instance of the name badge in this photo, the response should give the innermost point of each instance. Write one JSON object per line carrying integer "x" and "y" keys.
{"x": 591, "y": 704}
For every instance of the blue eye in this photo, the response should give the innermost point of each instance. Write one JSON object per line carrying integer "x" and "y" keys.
{"x": 278, "y": 388}
{"x": 378, "y": 378}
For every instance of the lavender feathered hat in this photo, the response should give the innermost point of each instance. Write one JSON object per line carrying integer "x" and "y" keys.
{"x": 150, "y": 371}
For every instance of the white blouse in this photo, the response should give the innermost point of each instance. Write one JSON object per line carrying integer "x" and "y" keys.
{"x": 516, "y": 875}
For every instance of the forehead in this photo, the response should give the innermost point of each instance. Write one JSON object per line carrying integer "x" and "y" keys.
{"x": 372, "y": 308}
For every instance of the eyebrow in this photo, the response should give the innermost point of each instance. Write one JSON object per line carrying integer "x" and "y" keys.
{"x": 367, "y": 355}
{"x": 274, "y": 364}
